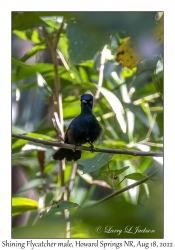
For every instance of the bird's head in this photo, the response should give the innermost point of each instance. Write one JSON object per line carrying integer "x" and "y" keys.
{"x": 87, "y": 101}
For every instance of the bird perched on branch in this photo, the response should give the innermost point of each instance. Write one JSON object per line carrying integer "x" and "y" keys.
{"x": 84, "y": 128}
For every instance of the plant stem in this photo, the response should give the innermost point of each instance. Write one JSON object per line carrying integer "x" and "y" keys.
{"x": 123, "y": 190}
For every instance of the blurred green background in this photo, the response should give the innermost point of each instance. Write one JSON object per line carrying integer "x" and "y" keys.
{"x": 129, "y": 108}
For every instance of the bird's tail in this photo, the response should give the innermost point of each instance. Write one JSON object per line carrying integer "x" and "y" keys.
{"x": 68, "y": 154}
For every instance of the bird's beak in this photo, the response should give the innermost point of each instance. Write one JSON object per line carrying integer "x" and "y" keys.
{"x": 84, "y": 101}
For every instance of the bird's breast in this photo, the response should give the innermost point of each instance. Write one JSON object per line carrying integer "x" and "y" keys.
{"x": 84, "y": 129}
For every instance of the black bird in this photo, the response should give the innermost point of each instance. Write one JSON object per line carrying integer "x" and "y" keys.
{"x": 84, "y": 128}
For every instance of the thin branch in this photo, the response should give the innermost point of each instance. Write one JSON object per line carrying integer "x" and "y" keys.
{"x": 58, "y": 91}
{"x": 67, "y": 214}
{"x": 57, "y": 129}
{"x": 72, "y": 180}
{"x": 47, "y": 37}
{"x": 58, "y": 126}
{"x": 52, "y": 43}
{"x": 122, "y": 190}
{"x": 53, "y": 46}
{"x": 146, "y": 98}
{"x": 151, "y": 126}
{"x": 102, "y": 150}
{"x": 58, "y": 35}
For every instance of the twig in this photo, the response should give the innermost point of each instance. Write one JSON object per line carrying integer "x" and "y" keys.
{"x": 122, "y": 190}
{"x": 102, "y": 150}
{"x": 151, "y": 126}
{"x": 58, "y": 126}
{"x": 67, "y": 214}
{"x": 58, "y": 35}
{"x": 146, "y": 98}
{"x": 53, "y": 46}
{"x": 57, "y": 129}
{"x": 72, "y": 179}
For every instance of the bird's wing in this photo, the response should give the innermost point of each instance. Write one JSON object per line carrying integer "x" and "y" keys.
{"x": 66, "y": 140}
{"x": 68, "y": 136}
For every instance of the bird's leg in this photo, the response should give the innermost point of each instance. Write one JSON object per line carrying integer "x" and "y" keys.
{"x": 74, "y": 148}
{"x": 92, "y": 147}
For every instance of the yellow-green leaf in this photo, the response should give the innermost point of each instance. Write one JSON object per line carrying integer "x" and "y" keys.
{"x": 19, "y": 63}
{"x": 21, "y": 205}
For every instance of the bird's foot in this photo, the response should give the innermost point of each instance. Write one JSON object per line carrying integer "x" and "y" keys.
{"x": 92, "y": 147}
{"x": 74, "y": 148}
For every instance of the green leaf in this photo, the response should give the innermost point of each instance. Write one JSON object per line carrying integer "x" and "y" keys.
{"x": 21, "y": 205}
{"x": 21, "y": 34}
{"x": 52, "y": 23}
{"x": 18, "y": 130}
{"x": 19, "y": 143}
{"x": 88, "y": 32}
{"x": 26, "y": 72}
{"x": 49, "y": 167}
{"x": 19, "y": 63}
{"x": 83, "y": 45}
{"x": 32, "y": 184}
{"x": 63, "y": 46}
{"x": 89, "y": 63}
{"x": 116, "y": 106}
{"x": 136, "y": 176}
{"x": 26, "y": 86}
{"x": 83, "y": 74}
{"x": 66, "y": 204}
{"x": 147, "y": 64}
{"x": 125, "y": 72}
{"x": 139, "y": 113}
{"x": 45, "y": 69}
{"x": 40, "y": 136}
{"x": 95, "y": 163}
{"x": 74, "y": 107}
{"x": 62, "y": 205}
{"x": 22, "y": 142}
{"x": 144, "y": 163}
{"x": 24, "y": 161}
{"x": 117, "y": 171}
{"x": 28, "y": 35}
{"x": 32, "y": 52}
{"x": 80, "y": 235}
{"x": 123, "y": 157}
{"x": 141, "y": 116}
{"x": 158, "y": 77}
{"x": 26, "y": 20}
